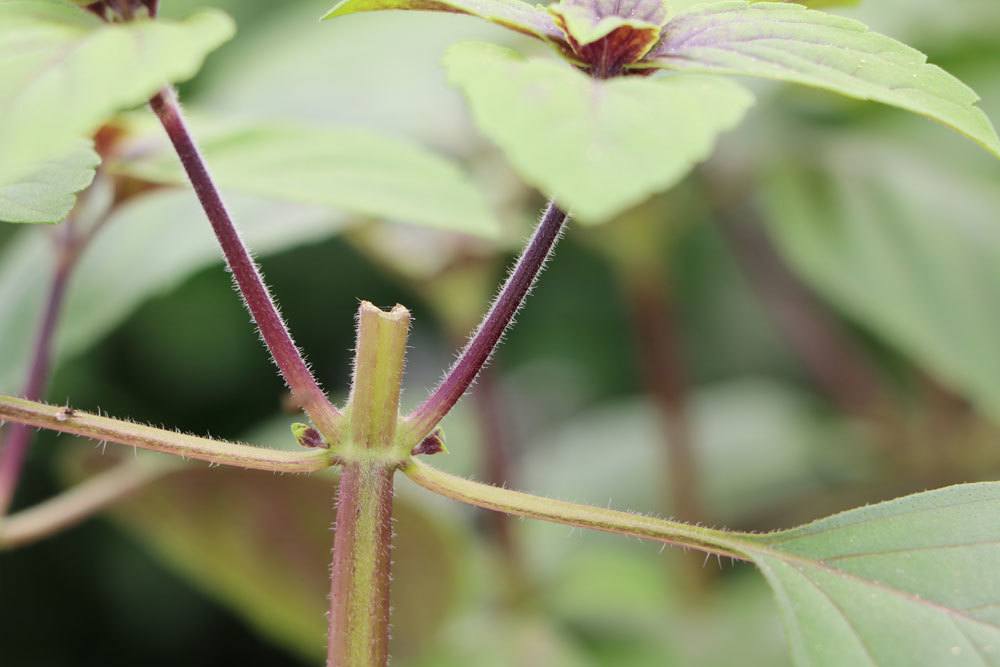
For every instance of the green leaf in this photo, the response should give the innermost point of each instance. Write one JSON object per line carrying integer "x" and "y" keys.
{"x": 788, "y": 42}
{"x": 679, "y": 6}
{"x": 63, "y": 72}
{"x": 597, "y": 147}
{"x": 913, "y": 581}
{"x": 517, "y": 15}
{"x": 900, "y": 242}
{"x": 148, "y": 247}
{"x": 48, "y": 193}
{"x": 260, "y": 544}
{"x": 348, "y": 169}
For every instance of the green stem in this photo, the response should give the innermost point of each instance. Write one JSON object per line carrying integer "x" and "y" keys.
{"x": 711, "y": 541}
{"x": 105, "y": 429}
{"x": 79, "y": 503}
{"x": 360, "y": 575}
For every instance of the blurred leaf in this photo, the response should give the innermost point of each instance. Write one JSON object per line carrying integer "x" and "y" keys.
{"x": 754, "y": 446}
{"x": 261, "y": 543}
{"x": 623, "y": 601}
{"x": 795, "y": 44}
{"x": 906, "y": 246}
{"x": 291, "y": 76}
{"x": 912, "y": 581}
{"x": 348, "y": 169}
{"x": 48, "y": 193}
{"x": 63, "y": 72}
{"x": 148, "y": 247}
{"x": 597, "y": 147}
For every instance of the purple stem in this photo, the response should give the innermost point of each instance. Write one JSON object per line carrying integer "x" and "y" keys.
{"x": 480, "y": 347}
{"x": 19, "y": 437}
{"x": 249, "y": 280}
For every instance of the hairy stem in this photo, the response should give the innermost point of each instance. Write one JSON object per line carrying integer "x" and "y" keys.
{"x": 15, "y": 451}
{"x": 104, "y": 429}
{"x": 360, "y": 575}
{"x": 480, "y": 347}
{"x": 573, "y": 514}
{"x": 79, "y": 503}
{"x": 249, "y": 280}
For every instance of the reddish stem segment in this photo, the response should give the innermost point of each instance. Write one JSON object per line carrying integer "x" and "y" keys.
{"x": 496, "y": 470}
{"x": 362, "y": 562}
{"x": 659, "y": 345}
{"x": 481, "y": 346}
{"x": 19, "y": 438}
{"x": 248, "y": 278}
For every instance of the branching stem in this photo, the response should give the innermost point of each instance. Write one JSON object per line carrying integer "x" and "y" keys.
{"x": 480, "y": 347}
{"x": 249, "y": 280}
{"x": 573, "y": 514}
{"x": 105, "y": 429}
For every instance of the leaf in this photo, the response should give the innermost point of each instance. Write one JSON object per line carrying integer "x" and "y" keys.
{"x": 788, "y": 42}
{"x": 679, "y": 6}
{"x": 260, "y": 544}
{"x": 514, "y": 14}
{"x": 63, "y": 72}
{"x": 348, "y": 169}
{"x": 597, "y": 147}
{"x": 907, "y": 247}
{"x": 49, "y": 193}
{"x": 148, "y": 247}
{"x": 907, "y": 582}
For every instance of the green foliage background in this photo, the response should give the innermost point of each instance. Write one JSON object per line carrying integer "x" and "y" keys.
{"x": 889, "y": 220}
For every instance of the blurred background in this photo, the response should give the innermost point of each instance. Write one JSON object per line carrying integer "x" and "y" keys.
{"x": 810, "y": 322}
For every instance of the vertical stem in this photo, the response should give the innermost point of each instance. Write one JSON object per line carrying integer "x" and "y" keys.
{"x": 380, "y": 355}
{"x": 658, "y": 342}
{"x": 12, "y": 456}
{"x": 819, "y": 341}
{"x": 360, "y": 575}
{"x": 248, "y": 278}
{"x": 496, "y": 470}
{"x": 480, "y": 347}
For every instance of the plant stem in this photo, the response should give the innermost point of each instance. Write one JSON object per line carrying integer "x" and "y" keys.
{"x": 658, "y": 344}
{"x": 480, "y": 347}
{"x": 819, "y": 341}
{"x": 12, "y": 456}
{"x": 249, "y": 281}
{"x": 496, "y": 469}
{"x": 572, "y": 514}
{"x": 360, "y": 575}
{"x": 104, "y": 429}
{"x": 82, "y": 501}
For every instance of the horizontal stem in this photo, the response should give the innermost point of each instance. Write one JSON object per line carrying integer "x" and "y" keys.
{"x": 65, "y": 420}
{"x": 79, "y": 503}
{"x": 247, "y": 275}
{"x": 480, "y": 347}
{"x": 573, "y": 514}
